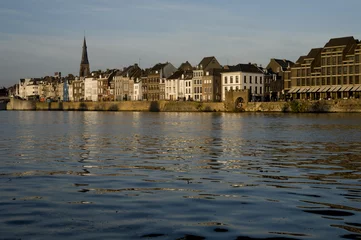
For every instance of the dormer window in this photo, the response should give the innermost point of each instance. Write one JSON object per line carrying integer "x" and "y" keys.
{"x": 156, "y": 71}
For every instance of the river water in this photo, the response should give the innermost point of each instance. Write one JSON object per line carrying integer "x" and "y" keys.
{"x": 131, "y": 175}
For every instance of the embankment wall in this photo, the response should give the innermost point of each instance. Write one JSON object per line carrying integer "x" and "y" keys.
{"x": 349, "y": 105}
{"x": 152, "y": 106}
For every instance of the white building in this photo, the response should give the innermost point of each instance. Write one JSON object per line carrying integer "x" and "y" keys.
{"x": 91, "y": 89}
{"x": 137, "y": 90}
{"x": 243, "y": 76}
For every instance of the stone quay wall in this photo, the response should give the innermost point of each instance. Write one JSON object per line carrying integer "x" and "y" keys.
{"x": 148, "y": 106}
{"x": 296, "y": 106}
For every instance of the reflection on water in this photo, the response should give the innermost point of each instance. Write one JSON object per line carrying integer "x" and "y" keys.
{"x": 179, "y": 176}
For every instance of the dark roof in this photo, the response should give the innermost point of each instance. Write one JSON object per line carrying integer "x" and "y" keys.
{"x": 284, "y": 63}
{"x": 250, "y": 68}
{"x": 176, "y": 75}
{"x": 130, "y": 71}
{"x": 159, "y": 66}
{"x": 352, "y": 49}
{"x": 185, "y": 66}
{"x": 187, "y": 74}
{"x": 334, "y": 42}
{"x": 299, "y": 61}
{"x": 314, "y": 53}
{"x": 205, "y": 61}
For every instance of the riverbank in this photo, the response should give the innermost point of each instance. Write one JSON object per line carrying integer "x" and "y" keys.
{"x": 296, "y": 106}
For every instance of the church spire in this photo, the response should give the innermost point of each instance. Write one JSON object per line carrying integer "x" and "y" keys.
{"x": 84, "y": 56}
{"x": 84, "y": 64}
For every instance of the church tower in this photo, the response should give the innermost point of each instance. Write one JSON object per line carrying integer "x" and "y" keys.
{"x": 84, "y": 64}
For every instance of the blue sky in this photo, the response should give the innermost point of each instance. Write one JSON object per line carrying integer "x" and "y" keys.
{"x": 40, "y": 37}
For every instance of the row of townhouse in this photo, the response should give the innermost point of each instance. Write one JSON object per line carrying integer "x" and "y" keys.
{"x": 208, "y": 81}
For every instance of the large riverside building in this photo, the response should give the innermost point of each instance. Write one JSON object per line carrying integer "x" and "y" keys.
{"x": 331, "y": 72}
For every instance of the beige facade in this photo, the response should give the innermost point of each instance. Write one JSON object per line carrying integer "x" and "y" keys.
{"x": 331, "y": 72}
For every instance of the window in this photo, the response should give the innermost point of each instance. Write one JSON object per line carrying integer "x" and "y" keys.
{"x": 255, "y": 79}
{"x": 298, "y": 82}
{"x": 357, "y": 80}
{"x": 339, "y": 70}
{"x": 231, "y": 79}
{"x": 328, "y": 81}
{"x": 323, "y": 81}
{"x": 250, "y": 79}
{"x": 250, "y": 89}
{"x": 225, "y": 80}
{"x": 357, "y": 58}
{"x": 244, "y": 87}
{"x": 350, "y": 70}
{"x": 357, "y": 70}
{"x": 237, "y": 80}
{"x": 339, "y": 80}
{"x": 260, "y": 80}
{"x": 245, "y": 79}
{"x": 344, "y": 80}
{"x": 345, "y": 70}
{"x": 339, "y": 59}
{"x": 255, "y": 90}
{"x": 350, "y": 79}
{"x": 333, "y": 80}
{"x": 260, "y": 90}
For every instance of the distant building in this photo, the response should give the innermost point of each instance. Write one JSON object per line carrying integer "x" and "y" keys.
{"x": 175, "y": 84}
{"x": 276, "y": 72}
{"x": 124, "y": 81}
{"x": 206, "y": 81}
{"x": 78, "y": 90}
{"x": 154, "y": 83}
{"x": 329, "y": 72}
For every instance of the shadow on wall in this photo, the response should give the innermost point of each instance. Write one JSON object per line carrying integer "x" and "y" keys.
{"x": 113, "y": 107}
{"x": 154, "y": 106}
{"x": 83, "y": 107}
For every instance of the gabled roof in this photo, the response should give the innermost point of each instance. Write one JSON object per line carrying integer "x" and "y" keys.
{"x": 205, "y": 62}
{"x": 314, "y": 53}
{"x": 249, "y": 68}
{"x": 299, "y": 61}
{"x": 187, "y": 74}
{"x": 130, "y": 71}
{"x": 284, "y": 63}
{"x": 159, "y": 66}
{"x": 176, "y": 75}
{"x": 343, "y": 41}
{"x": 185, "y": 66}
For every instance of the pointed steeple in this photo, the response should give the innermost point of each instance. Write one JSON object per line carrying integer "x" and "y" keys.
{"x": 84, "y": 70}
{"x": 84, "y": 56}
